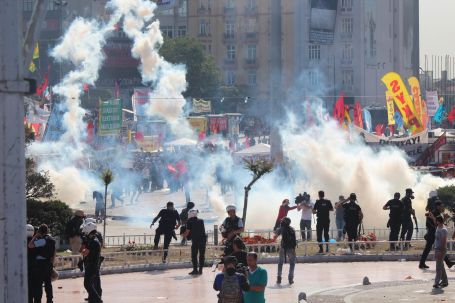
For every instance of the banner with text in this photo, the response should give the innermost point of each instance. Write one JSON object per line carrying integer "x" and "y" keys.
{"x": 202, "y": 106}
{"x": 110, "y": 117}
{"x": 432, "y": 102}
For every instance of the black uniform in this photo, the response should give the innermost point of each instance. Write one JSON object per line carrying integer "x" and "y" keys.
{"x": 198, "y": 239}
{"x": 396, "y": 211}
{"x": 407, "y": 227}
{"x": 230, "y": 224}
{"x": 92, "y": 270}
{"x": 30, "y": 263}
{"x": 42, "y": 266}
{"x": 323, "y": 208}
{"x": 168, "y": 219}
{"x": 352, "y": 220}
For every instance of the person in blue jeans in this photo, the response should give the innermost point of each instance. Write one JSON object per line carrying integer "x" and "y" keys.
{"x": 339, "y": 217}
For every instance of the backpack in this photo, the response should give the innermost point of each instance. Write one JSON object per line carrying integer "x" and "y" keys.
{"x": 230, "y": 290}
{"x": 288, "y": 239}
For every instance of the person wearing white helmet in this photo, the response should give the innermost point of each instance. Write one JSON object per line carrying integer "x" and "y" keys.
{"x": 92, "y": 254}
{"x": 231, "y": 227}
{"x": 195, "y": 231}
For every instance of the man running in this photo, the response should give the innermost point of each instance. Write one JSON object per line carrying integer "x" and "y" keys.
{"x": 169, "y": 221}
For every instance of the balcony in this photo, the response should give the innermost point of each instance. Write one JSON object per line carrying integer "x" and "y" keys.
{"x": 346, "y": 61}
{"x": 251, "y": 37}
{"x": 228, "y": 37}
{"x": 251, "y": 10}
{"x": 229, "y": 62}
{"x": 346, "y": 36}
{"x": 229, "y": 10}
{"x": 251, "y": 63}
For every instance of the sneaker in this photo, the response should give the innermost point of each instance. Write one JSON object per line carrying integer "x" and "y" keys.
{"x": 423, "y": 266}
{"x": 450, "y": 264}
{"x": 194, "y": 272}
{"x": 291, "y": 281}
{"x": 436, "y": 286}
{"x": 443, "y": 284}
{"x": 199, "y": 271}
{"x": 278, "y": 280}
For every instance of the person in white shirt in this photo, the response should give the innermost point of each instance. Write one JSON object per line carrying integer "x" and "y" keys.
{"x": 306, "y": 208}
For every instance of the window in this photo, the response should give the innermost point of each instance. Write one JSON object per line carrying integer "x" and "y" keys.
{"x": 230, "y": 4}
{"x": 230, "y": 77}
{"x": 251, "y": 25}
{"x": 230, "y": 52}
{"x": 204, "y": 29}
{"x": 251, "y": 4}
{"x": 28, "y": 5}
{"x": 347, "y": 25}
{"x": 209, "y": 4}
{"x": 181, "y": 31}
{"x": 347, "y": 78}
{"x": 229, "y": 30}
{"x": 313, "y": 77}
{"x": 168, "y": 31}
{"x": 346, "y": 4}
{"x": 251, "y": 52}
{"x": 201, "y": 4}
{"x": 52, "y": 6}
{"x": 252, "y": 78}
{"x": 182, "y": 10}
{"x": 314, "y": 52}
{"x": 348, "y": 52}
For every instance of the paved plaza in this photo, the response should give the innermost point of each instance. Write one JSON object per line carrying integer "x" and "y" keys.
{"x": 323, "y": 283}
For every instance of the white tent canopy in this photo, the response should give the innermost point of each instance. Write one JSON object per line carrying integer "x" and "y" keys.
{"x": 181, "y": 142}
{"x": 260, "y": 149}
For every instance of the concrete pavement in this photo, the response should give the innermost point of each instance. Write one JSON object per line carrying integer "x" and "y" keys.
{"x": 317, "y": 280}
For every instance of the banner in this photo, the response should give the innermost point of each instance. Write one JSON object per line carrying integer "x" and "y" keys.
{"x": 403, "y": 101}
{"x": 413, "y": 145}
{"x": 432, "y": 102}
{"x": 398, "y": 120}
{"x": 425, "y": 117}
{"x": 36, "y": 113}
{"x": 417, "y": 98}
{"x": 338, "y": 110}
{"x": 166, "y": 4}
{"x": 110, "y": 117}
{"x": 199, "y": 124}
{"x": 141, "y": 100}
{"x": 202, "y": 106}
{"x": 322, "y": 21}
{"x": 367, "y": 119}
{"x": 440, "y": 114}
{"x": 149, "y": 143}
{"x": 390, "y": 108}
{"x": 54, "y": 128}
{"x": 358, "y": 120}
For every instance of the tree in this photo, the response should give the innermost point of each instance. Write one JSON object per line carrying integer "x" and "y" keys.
{"x": 38, "y": 184}
{"x": 202, "y": 73}
{"x": 258, "y": 168}
{"x": 107, "y": 177}
{"x": 53, "y": 213}
{"x": 447, "y": 195}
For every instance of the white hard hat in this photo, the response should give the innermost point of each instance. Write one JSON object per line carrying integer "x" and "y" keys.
{"x": 231, "y": 207}
{"x": 433, "y": 194}
{"x": 88, "y": 228}
{"x": 192, "y": 213}
{"x": 30, "y": 230}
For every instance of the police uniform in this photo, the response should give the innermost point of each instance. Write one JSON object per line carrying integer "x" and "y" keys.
{"x": 396, "y": 211}
{"x": 407, "y": 227}
{"x": 352, "y": 220}
{"x": 323, "y": 208}
{"x": 92, "y": 270}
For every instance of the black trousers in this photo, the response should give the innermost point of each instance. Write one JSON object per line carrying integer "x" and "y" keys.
{"x": 41, "y": 272}
{"x": 394, "y": 232}
{"x": 407, "y": 228}
{"x": 197, "y": 248}
{"x": 167, "y": 238}
{"x": 430, "y": 238}
{"x": 322, "y": 228}
{"x": 92, "y": 285}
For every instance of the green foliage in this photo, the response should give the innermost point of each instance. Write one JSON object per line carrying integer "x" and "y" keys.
{"x": 37, "y": 184}
{"x": 258, "y": 167}
{"x": 202, "y": 74}
{"x": 107, "y": 177}
{"x": 54, "y": 213}
{"x": 447, "y": 195}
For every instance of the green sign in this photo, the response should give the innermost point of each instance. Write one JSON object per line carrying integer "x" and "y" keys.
{"x": 110, "y": 117}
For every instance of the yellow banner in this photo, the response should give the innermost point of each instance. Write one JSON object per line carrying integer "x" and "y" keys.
{"x": 36, "y": 51}
{"x": 149, "y": 144}
{"x": 417, "y": 97}
{"x": 403, "y": 101}
{"x": 198, "y": 123}
{"x": 390, "y": 108}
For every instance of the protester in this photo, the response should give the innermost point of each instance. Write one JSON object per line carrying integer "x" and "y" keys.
{"x": 195, "y": 231}
{"x": 116, "y": 194}
{"x": 230, "y": 283}
{"x": 43, "y": 250}
{"x": 99, "y": 206}
{"x": 30, "y": 230}
{"x": 440, "y": 247}
{"x": 353, "y": 216}
{"x": 169, "y": 221}
{"x": 305, "y": 222}
{"x": 339, "y": 218}
{"x": 435, "y": 209}
{"x": 92, "y": 253}
{"x": 231, "y": 227}
{"x": 184, "y": 219}
{"x": 322, "y": 209}
{"x": 395, "y": 206}
{"x": 407, "y": 227}
{"x": 73, "y": 231}
{"x": 283, "y": 212}
{"x": 238, "y": 251}
{"x": 287, "y": 248}
{"x": 257, "y": 279}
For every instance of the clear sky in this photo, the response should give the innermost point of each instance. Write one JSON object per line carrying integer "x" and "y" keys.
{"x": 437, "y": 27}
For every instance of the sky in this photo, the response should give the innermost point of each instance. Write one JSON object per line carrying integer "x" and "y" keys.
{"x": 437, "y": 27}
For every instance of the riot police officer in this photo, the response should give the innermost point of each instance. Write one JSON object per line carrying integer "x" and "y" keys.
{"x": 395, "y": 206}
{"x": 407, "y": 227}
{"x": 353, "y": 216}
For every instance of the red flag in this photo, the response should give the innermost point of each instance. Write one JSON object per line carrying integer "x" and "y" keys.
{"x": 451, "y": 116}
{"x": 90, "y": 132}
{"x": 338, "y": 110}
{"x": 379, "y": 129}
{"x": 139, "y": 136}
{"x": 358, "y": 120}
{"x": 42, "y": 87}
{"x": 391, "y": 129}
{"x": 201, "y": 136}
{"x": 86, "y": 87}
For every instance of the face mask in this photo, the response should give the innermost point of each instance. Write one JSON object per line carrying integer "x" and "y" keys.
{"x": 230, "y": 271}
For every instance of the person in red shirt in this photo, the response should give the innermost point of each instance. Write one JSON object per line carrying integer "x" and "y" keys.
{"x": 283, "y": 212}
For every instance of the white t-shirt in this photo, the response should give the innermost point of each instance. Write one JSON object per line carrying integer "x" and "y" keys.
{"x": 307, "y": 212}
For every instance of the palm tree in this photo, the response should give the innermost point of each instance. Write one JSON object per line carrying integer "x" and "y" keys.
{"x": 107, "y": 177}
{"x": 258, "y": 168}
